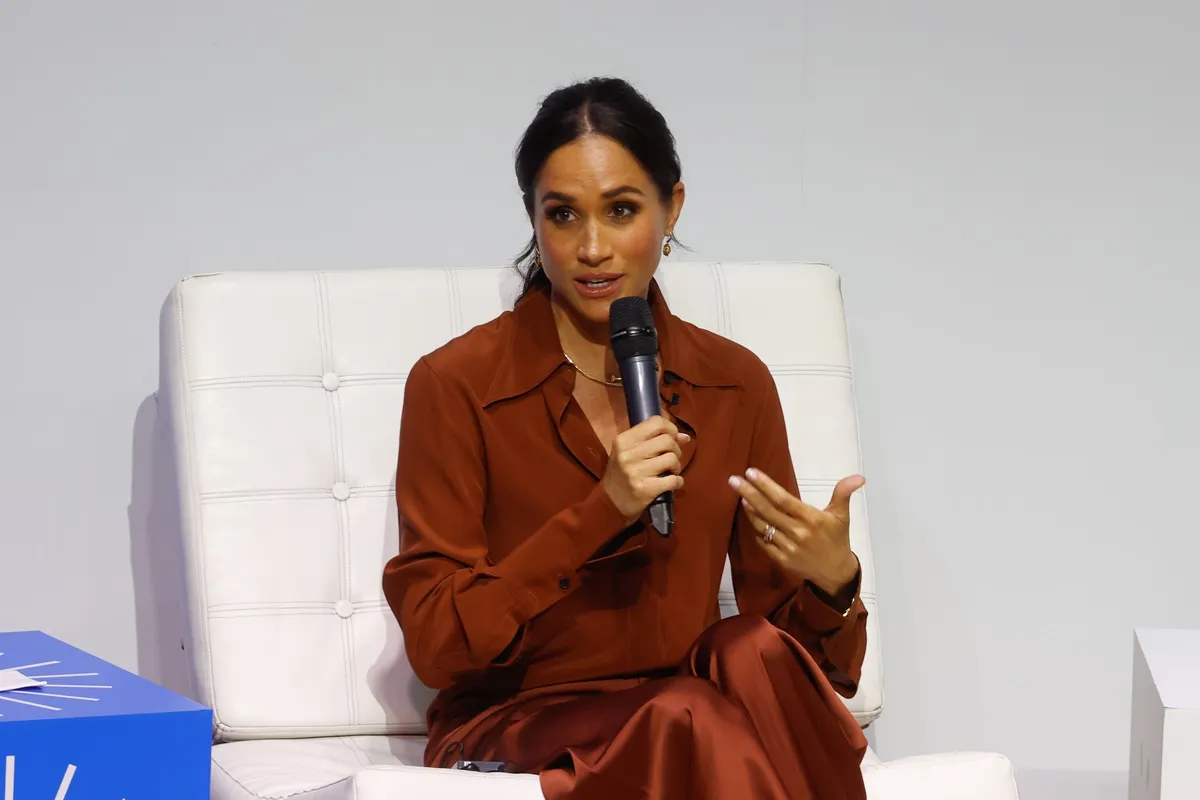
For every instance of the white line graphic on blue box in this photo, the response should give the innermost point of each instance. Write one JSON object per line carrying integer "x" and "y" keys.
{"x": 10, "y": 783}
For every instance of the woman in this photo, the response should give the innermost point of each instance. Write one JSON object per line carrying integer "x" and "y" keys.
{"x": 566, "y": 637}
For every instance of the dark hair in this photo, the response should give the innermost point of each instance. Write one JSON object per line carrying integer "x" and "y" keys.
{"x": 606, "y": 106}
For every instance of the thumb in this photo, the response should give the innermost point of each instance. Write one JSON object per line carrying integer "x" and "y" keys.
{"x": 839, "y": 504}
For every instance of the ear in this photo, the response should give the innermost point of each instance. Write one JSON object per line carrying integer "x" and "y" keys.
{"x": 675, "y": 205}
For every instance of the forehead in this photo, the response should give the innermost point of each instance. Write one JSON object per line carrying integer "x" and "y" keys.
{"x": 591, "y": 164}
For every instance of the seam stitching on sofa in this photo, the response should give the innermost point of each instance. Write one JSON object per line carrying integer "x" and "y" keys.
{"x": 456, "y": 315}
{"x": 726, "y": 310}
{"x": 874, "y": 647}
{"x": 258, "y": 796}
{"x": 273, "y": 381}
{"x": 360, "y": 755}
{"x": 343, "y": 514}
{"x": 195, "y": 534}
{"x": 238, "y": 783}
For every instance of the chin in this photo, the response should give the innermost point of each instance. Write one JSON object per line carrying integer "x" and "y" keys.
{"x": 594, "y": 312}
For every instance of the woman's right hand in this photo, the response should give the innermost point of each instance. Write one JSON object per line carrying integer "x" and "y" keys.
{"x": 643, "y": 464}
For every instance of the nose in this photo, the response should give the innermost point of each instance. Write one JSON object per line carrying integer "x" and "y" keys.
{"x": 593, "y": 246}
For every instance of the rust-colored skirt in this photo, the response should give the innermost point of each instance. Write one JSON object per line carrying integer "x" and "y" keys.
{"x": 749, "y": 715}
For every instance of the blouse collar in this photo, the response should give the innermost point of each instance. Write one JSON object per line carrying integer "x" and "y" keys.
{"x": 535, "y": 353}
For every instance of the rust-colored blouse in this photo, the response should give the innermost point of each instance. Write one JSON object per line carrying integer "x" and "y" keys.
{"x": 516, "y": 571}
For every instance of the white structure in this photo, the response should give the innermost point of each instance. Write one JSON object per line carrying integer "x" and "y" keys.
{"x": 280, "y": 401}
{"x": 1165, "y": 720}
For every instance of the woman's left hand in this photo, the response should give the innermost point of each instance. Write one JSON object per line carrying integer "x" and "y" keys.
{"x": 806, "y": 542}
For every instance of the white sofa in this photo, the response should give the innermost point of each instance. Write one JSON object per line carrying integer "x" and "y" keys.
{"x": 279, "y": 409}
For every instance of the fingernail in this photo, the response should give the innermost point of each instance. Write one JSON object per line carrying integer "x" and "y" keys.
{"x": 752, "y": 474}
{"x": 734, "y": 481}
{"x": 745, "y": 502}
{"x": 685, "y": 437}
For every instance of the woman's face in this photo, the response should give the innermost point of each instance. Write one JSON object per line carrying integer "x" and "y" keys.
{"x": 600, "y": 225}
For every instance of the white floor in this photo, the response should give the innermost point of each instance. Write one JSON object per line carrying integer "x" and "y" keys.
{"x": 1050, "y": 785}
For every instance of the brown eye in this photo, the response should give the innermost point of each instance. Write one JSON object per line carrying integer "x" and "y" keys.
{"x": 560, "y": 215}
{"x": 624, "y": 210}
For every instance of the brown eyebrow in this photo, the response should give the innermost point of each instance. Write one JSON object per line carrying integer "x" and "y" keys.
{"x": 566, "y": 198}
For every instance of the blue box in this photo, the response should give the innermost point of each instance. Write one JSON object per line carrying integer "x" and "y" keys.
{"x": 95, "y": 731}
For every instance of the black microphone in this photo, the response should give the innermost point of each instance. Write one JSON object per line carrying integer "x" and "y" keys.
{"x": 635, "y": 345}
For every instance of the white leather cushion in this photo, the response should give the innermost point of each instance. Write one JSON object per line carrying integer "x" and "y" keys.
{"x": 389, "y": 783}
{"x": 312, "y": 769}
{"x": 387, "y": 768}
{"x": 350, "y": 768}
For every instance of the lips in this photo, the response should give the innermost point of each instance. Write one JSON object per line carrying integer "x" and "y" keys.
{"x": 598, "y": 285}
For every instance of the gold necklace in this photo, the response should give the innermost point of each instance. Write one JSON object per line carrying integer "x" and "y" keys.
{"x": 614, "y": 381}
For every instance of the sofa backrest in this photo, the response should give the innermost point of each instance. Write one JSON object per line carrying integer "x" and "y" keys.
{"x": 280, "y": 403}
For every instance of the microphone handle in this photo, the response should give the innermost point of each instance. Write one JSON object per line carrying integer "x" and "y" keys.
{"x": 639, "y": 375}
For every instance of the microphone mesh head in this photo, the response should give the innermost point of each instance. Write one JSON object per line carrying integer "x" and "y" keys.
{"x": 631, "y": 328}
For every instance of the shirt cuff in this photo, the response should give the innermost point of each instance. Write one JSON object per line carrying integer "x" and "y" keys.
{"x": 823, "y": 612}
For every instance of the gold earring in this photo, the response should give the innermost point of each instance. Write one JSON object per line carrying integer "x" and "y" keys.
{"x": 667, "y": 246}
{"x": 537, "y": 258}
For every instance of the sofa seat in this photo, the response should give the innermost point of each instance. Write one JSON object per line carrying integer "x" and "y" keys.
{"x": 388, "y": 768}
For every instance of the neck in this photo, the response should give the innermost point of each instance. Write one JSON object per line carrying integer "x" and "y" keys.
{"x": 588, "y": 345}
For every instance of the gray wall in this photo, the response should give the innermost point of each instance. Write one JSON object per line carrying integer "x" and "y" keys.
{"x": 1009, "y": 190}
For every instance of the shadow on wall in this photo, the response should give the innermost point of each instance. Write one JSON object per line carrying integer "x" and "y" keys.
{"x": 156, "y": 557}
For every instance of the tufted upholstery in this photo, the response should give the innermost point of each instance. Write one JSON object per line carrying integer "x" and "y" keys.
{"x": 281, "y": 396}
